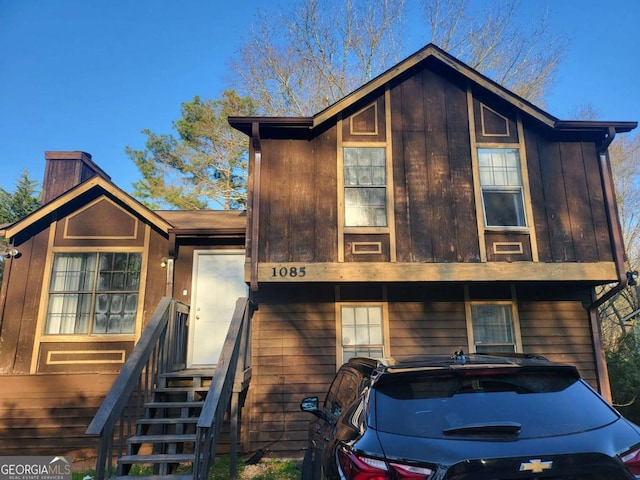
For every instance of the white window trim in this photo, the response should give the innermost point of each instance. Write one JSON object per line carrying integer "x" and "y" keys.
{"x": 385, "y": 327}
{"x": 94, "y": 292}
{"x": 468, "y": 302}
{"x": 503, "y": 188}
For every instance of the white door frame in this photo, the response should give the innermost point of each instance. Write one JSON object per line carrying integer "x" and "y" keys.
{"x": 194, "y": 293}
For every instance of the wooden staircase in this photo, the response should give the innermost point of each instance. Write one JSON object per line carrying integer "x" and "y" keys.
{"x": 175, "y": 434}
{"x": 165, "y": 438}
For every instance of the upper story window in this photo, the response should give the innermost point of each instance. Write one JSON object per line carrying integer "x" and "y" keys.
{"x": 365, "y": 187}
{"x": 93, "y": 293}
{"x": 502, "y": 191}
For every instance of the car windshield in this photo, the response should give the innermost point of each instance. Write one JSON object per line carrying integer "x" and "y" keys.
{"x": 526, "y": 404}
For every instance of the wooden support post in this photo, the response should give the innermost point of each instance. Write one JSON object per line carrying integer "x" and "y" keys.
{"x": 233, "y": 435}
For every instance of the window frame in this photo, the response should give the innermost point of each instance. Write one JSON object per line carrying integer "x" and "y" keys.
{"x": 383, "y": 139}
{"x": 384, "y": 312}
{"x": 509, "y": 188}
{"x": 515, "y": 320}
{"x": 386, "y": 186}
{"x": 90, "y": 335}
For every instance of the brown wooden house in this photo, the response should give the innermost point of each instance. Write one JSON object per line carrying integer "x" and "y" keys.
{"x": 429, "y": 210}
{"x": 92, "y": 265}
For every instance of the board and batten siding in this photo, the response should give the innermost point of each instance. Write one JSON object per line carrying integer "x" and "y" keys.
{"x": 431, "y": 142}
{"x": 433, "y": 182}
{"x": 298, "y": 206}
{"x": 567, "y": 200}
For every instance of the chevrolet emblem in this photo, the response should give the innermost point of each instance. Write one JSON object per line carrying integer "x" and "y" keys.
{"x": 535, "y": 466}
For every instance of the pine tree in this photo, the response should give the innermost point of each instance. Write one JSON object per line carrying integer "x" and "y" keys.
{"x": 16, "y": 205}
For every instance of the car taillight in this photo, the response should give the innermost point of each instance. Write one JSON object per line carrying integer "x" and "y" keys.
{"x": 411, "y": 472}
{"x": 356, "y": 467}
{"x": 632, "y": 461}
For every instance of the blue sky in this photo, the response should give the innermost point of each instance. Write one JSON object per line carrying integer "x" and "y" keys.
{"x": 91, "y": 74}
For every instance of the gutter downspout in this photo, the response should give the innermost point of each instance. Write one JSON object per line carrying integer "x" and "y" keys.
{"x": 617, "y": 244}
{"x": 255, "y": 204}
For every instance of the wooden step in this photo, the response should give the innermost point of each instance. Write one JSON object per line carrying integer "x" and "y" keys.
{"x": 176, "y": 393}
{"x": 158, "y": 458}
{"x": 180, "y": 389}
{"x": 192, "y": 404}
{"x": 190, "y": 372}
{"x": 171, "y": 421}
{"x": 170, "y": 438}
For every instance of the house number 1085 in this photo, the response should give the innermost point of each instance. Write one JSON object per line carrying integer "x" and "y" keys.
{"x": 288, "y": 272}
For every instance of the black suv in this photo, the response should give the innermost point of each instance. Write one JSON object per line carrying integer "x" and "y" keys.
{"x": 463, "y": 417}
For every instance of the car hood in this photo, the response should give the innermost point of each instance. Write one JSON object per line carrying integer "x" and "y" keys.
{"x": 611, "y": 440}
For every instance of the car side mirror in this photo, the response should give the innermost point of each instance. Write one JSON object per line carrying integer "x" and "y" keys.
{"x": 310, "y": 405}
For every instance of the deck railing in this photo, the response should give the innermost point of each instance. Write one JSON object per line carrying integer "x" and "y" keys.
{"x": 229, "y": 380}
{"x": 160, "y": 349}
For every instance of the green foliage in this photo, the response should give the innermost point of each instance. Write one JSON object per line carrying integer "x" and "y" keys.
{"x": 21, "y": 202}
{"x": 204, "y": 165}
{"x": 16, "y": 205}
{"x": 623, "y": 362}
{"x": 272, "y": 469}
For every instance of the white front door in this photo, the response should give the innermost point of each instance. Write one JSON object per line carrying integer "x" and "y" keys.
{"x": 218, "y": 281}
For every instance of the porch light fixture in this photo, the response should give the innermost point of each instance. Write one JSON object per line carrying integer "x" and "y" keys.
{"x": 632, "y": 278}
{"x": 10, "y": 252}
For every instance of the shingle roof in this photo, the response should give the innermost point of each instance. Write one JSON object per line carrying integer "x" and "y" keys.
{"x": 205, "y": 219}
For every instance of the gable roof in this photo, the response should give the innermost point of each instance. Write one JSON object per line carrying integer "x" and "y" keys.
{"x": 93, "y": 183}
{"x": 431, "y": 51}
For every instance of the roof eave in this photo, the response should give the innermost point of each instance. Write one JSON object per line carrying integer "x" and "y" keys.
{"x": 244, "y": 124}
{"x": 94, "y": 182}
{"x": 594, "y": 126}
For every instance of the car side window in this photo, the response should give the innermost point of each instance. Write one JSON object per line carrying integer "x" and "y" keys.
{"x": 330, "y": 401}
{"x": 348, "y": 389}
{"x": 341, "y": 392}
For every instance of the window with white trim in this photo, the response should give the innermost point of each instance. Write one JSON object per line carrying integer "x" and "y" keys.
{"x": 93, "y": 293}
{"x": 502, "y": 190}
{"x": 365, "y": 187}
{"x": 493, "y": 327}
{"x": 362, "y": 331}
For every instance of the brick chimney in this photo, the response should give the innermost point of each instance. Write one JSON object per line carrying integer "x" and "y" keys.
{"x": 65, "y": 170}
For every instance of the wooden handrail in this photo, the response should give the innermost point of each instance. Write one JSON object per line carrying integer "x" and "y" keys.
{"x": 232, "y": 356}
{"x": 158, "y": 350}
